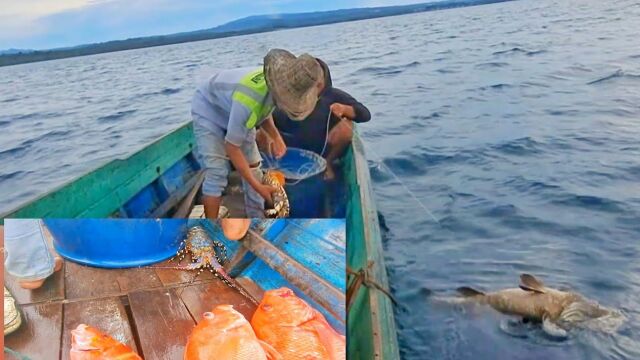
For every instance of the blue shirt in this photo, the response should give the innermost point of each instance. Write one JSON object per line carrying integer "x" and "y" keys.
{"x": 310, "y": 133}
{"x": 217, "y": 111}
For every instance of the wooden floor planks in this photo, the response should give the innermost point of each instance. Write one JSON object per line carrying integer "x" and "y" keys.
{"x": 107, "y": 315}
{"x": 51, "y": 290}
{"x": 204, "y": 297}
{"x": 151, "y": 310}
{"x": 39, "y": 335}
{"x": 174, "y": 277}
{"x": 162, "y": 322}
{"x": 88, "y": 282}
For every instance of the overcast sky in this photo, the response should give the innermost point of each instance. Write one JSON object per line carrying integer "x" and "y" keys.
{"x": 43, "y": 24}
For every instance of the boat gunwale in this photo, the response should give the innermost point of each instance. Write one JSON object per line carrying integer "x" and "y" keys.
{"x": 385, "y": 341}
{"x": 87, "y": 173}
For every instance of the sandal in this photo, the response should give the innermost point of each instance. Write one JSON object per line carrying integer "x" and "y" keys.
{"x": 12, "y": 318}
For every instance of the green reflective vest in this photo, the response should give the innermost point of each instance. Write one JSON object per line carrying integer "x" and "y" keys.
{"x": 252, "y": 93}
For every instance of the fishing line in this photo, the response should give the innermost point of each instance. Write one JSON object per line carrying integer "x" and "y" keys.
{"x": 397, "y": 178}
{"x": 308, "y": 168}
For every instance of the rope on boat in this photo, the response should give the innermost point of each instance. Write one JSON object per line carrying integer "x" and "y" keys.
{"x": 16, "y": 354}
{"x": 362, "y": 277}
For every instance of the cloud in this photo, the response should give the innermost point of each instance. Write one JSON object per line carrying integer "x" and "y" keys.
{"x": 21, "y": 19}
{"x": 38, "y": 8}
{"x": 45, "y": 24}
{"x": 376, "y": 3}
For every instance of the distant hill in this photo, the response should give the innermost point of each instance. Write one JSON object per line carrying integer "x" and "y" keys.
{"x": 248, "y": 25}
{"x": 15, "y": 51}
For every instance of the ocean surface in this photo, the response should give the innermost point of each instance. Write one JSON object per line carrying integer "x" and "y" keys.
{"x": 517, "y": 125}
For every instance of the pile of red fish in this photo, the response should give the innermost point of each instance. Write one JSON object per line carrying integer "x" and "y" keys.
{"x": 284, "y": 327}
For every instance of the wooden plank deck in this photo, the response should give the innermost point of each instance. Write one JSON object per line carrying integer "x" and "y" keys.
{"x": 152, "y": 310}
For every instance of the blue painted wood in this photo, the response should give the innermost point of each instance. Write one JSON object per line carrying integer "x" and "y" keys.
{"x": 143, "y": 203}
{"x": 270, "y": 229}
{"x": 268, "y": 279}
{"x": 317, "y": 244}
{"x": 173, "y": 181}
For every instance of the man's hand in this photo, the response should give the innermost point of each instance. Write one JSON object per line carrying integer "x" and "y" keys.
{"x": 264, "y": 141}
{"x": 266, "y": 192}
{"x": 343, "y": 111}
{"x": 278, "y": 148}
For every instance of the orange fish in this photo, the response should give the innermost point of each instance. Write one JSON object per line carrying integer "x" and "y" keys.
{"x": 295, "y": 329}
{"x": 88, "y": 343}
{"x": 225, "y": 334}
{"x": 279, "y": 176}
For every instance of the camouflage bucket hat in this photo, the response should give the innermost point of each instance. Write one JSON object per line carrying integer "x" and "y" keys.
{"x": 292, "y": 81}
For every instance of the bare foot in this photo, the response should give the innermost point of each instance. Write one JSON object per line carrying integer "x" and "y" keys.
{"x": 34, "y": 284}
{"x": 329, "y": 174}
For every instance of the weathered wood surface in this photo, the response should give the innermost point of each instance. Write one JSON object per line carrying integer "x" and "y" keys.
{"x": 152, "y": 310}
{"x": 39, "y": 335}
{"x": 89, "y": 282}
{"x": 163, "y": 323}
{"x": 175, "y": 277}
{"x": 107, "y": 315}
{"x": 204, "y": 297}
{"x": 51, "y": 290}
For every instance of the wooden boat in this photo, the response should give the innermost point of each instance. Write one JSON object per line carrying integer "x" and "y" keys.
{"x": 162, "y": 180}
{"x": 154, "y": 308}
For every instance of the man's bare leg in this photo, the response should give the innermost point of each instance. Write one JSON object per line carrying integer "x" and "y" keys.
{"x": 57, "y": 265}
{"x": 235, "y": 229}
{"x": 339, "y": 138}
{"x": 211, "y": 206}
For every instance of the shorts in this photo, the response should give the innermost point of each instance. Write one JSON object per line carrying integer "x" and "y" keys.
{"x": 213, "y": 158}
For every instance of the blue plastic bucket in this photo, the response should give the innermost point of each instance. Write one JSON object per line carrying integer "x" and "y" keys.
{"x": 306, "y": 197}
{"x": 117, "y": 243}
{"x": 305, "y": 187}
{"x": 296, "y": 164}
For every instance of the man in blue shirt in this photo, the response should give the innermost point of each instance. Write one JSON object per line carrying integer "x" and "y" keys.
{"x": 335, "y": 109}
{"x": 227, "y": 108}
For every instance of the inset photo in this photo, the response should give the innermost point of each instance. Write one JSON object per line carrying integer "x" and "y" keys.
{"x": 178, "y": 289}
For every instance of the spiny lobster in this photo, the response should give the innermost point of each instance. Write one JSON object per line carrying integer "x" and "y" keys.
{"x": 280, "y": 200}
{"x": 207, "y": 254}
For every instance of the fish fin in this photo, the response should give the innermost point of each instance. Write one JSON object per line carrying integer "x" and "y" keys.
{"x": 272, "y": 353}
{"x": 325, "y": 334}
{"x": 551, "y": 329}
{"x": 530, "y": 283}
{"x": 466, "y": 291}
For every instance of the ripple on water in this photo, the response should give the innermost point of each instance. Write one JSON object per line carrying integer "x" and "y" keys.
{"x": 616, "y": 75}
{"x": 116, "y": 116}
{"x": 589, "y": 202}
{"x": 525, "y": 146}
{"x": 491, "y": 65}
{"x": 518, "y": 50}
{"x": 386, "y": 70}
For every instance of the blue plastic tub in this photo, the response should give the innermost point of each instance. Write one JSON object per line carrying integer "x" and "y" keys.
{"x": 117, "y": 243}
{"x": 296, "y": 164}
{"x": 305, "y": 186}
{"x": 306, "y": 197}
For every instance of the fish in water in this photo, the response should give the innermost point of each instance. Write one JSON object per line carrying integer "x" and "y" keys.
{"x": 224, "y": 333}
{"x": 88, "y": 343}
{"x": 295, "y": 329}
{"x": 557, "y": 310}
